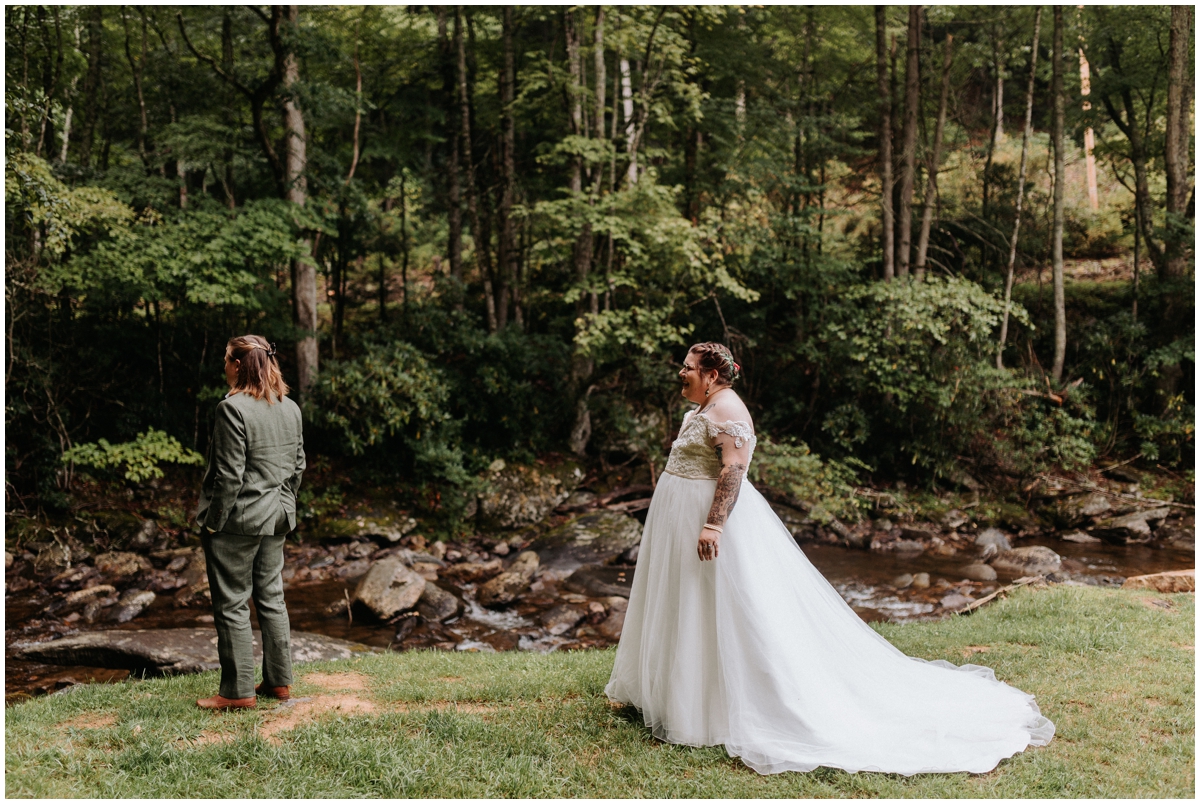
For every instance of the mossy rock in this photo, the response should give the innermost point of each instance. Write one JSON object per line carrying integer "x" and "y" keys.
{"x": 594, "y": 538}
{"x": 385, "y": 525}
{"x": 515, "y": 496}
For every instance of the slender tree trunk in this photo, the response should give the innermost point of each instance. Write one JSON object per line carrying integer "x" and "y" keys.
{"x": 91, "y": 84}
{"x": 136, "y": 66}
{"x": 934, "y": 163}
{"x": 507, "y": 257}
{"x": 453, "y": 189}
{"x": 627, "y": 116}
{"x": 230, "y": 118}
{"x": 1176, "y": 148}
{"x": 1056, "y": 134}
{"x": 912, "y": 99}
{"x": 997, "y": 136}
{"x": 1025, "y": 137}
{"x": 1089, "y": 136}
{"x": 1137, "y": 254}
{"x": 600, "y": 77}
{"x": 478, "y": 235}
{"x": 885, "y": 144}
{"x": 304, "y": 271}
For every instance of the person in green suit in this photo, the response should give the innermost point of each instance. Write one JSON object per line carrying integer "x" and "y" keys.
{"x": 247, "y": 508}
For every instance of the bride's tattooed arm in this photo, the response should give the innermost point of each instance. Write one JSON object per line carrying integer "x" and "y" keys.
{"x": 729, "y": 483}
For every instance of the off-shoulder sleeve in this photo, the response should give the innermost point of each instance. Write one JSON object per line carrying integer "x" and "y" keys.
{"x": 733, "y": 440}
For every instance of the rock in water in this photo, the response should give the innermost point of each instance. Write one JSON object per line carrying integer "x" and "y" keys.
{"x": 195, "y": 578}
{"x": 1130, "y": 529}
{"x": 121, "y": 566}
{"x": 978, "y": 572}
{"x": 599, "y": 581}
{"x": 1035, "y": 560}
{"x": 594, "y": 538}
{"x": 902, "y": 581}
{"x": 612, "y": 625}
{"x": 1079, "y": 537}
{"x": 561, "y": 619}
{"x": 131, "y": 604}
{"x": 920, "y": 580}
{"x": 436, "y": 604}
{"x": 955, "y": 601}
{"x": 473, "y": 571}
{"x": 1177, "y": 581}
{"x": 524, "y": 495}
{"x": 171, "y": 651}
{"x": 505, "y": 587}
{"x": 389, "y": 588}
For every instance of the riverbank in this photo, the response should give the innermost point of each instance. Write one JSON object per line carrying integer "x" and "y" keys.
{"x": 1114, "y": 669}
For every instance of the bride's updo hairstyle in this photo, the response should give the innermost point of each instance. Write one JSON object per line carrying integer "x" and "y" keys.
{"x": 717, "y": 357}
{"x": 259, "y": 374}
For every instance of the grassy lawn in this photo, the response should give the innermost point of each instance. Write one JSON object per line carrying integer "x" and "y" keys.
{"x": 1114, "y": 670}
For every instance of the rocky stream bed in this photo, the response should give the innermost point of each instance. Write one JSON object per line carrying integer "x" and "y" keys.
{"x": 549, "y": 569}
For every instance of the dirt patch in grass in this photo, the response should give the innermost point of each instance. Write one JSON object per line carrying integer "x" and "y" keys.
{"x": 334, "y": 682}
{"x": 304, "y": 710}
{"x": 450, "y": 678}
{"x": 459, "y": 707}
{"x": 971, "y": 650}
{"x": 89, "y": 720}
{"x": 204, "y": 738}
{"x": 1157, "y": 603}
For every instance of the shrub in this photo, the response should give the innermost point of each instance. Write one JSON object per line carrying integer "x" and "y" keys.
{"x": 139, "y": 457}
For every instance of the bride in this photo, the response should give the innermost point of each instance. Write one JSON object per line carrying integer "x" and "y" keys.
{"x": 733, "y": 638}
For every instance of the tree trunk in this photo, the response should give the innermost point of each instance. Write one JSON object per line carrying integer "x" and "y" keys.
{"x": 136, "y": 66}
{"x": 885, "y": 144}
{"x": 600, "y": 77}
{"x": 1025, "y": 137}
{"x": 627, "y": 115}
{"x": 912, "y": 99}
{"x": 1089, "y": 136}
{"x": 1176, "y": 147}
{"x": 507, "y": 257}
{"x": 482, "y": 253}
{"x": 91, "y": 85}
{"x": 230, "y": 118}
{"x": 304, "y": 271}
{"x": 453, "y": 189}
{"x": 997, "y": 124}
{"x": 934, "y": 162}
{"x": 1056, "y": 135}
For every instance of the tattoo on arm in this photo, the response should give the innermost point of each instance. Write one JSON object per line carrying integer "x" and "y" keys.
{"x": 729, "y": 484}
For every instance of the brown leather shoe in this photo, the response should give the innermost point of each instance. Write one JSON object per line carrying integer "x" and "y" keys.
{"x": 219, "y": 702}
{"x": 282, "y": 693}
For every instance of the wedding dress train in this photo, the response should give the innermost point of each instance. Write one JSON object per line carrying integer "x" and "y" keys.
{"x": 757, "y": 652}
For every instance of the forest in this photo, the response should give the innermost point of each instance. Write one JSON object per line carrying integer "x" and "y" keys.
{"x": 947, "y": 244}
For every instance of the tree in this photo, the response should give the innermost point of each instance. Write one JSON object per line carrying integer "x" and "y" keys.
{"x": 885, "y": 144}
{"x": 912, "y": 101}
{"x": 934, "y": 163}
{"x": 1175, "y": 148}
{"x": 1056, "y": 137}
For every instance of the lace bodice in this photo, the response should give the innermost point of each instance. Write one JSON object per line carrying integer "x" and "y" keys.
{"x": 692, "y": 453}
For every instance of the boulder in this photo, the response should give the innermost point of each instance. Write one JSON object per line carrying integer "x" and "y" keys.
{"x": 902, "y": 581}
{"x": 954, "y": 519}
{"x": 524, "y": 495}
{"x": 1079, "y": 537}
{"x": 132, "y": 603}
{"x": 1077, "y": 510}
{"x": 907, "y": 547}
{"x": 978, "y": 572}
{"x": 1130, "y": 529}
{"x": 389, "y": 588}
{"x": 52, "y": 557}
{"x": 121, "y": 566}
{"x": 473, "y": 571}
{"x": 594, "y": 538}
{"x": 992, "y": 541}
{"x": 613, "y": 624}
{"x": 920, "y": 580}
{"x": 505, "y": 587}
{"x": 561, "y": 618}
{"x": 145, "y": 535}
{"x": 77, "y": 600}
{"x": 915, "y": 531}
{"x": 171, "y": 651}
{"x": 1177, "y": 581}
{"x": 598, "y": 581}
{"x": 437, "y": 605}
{"x": 382, "y": 523}
{"x": 195, "y": 581}
{"x": 1035, "y": 560}
{"x": 955, "y": 601}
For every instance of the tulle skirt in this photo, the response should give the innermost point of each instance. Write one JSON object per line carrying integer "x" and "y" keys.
{"x": 757, "y": 652}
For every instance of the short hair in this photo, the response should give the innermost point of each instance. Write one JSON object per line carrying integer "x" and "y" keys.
{"x": 258, "y": 374}
{"x": 716, "y": 357}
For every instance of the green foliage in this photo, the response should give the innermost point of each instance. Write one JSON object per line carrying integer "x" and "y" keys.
{"x": 140, "y": 458}
{"x": 791, "y": 467}
{"x": 389, "y": 391}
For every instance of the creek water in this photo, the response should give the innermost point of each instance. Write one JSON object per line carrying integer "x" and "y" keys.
{"x": 863, "y": 578}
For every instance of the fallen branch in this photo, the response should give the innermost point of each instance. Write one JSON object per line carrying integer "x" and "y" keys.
{"x": 1003, "y": 590}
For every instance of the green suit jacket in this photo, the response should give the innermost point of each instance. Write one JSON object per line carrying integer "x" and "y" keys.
{"x": 255, "y": 461}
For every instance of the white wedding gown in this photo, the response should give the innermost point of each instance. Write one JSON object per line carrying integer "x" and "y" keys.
{"x": 757, "y": 652}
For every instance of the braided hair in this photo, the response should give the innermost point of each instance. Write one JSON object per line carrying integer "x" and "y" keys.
{"x": 717, "y": 357}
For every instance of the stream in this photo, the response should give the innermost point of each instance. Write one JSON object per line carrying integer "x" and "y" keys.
{"x": 863, "y": 578}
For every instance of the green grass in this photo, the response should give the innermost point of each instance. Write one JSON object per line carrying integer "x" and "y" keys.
{"x": 1113, "y": 671}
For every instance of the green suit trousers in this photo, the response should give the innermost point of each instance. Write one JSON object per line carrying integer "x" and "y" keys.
{"x": 241, "y": 567}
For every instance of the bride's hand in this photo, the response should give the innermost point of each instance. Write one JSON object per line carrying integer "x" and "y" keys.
{"x": 709, "y": 544}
